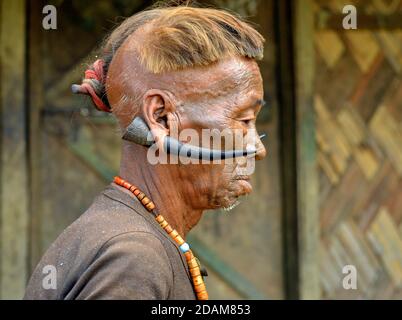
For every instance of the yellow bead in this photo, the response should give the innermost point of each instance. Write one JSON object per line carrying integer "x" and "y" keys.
{"x": 145, "y": 201}
{"x": 173, "y": 234}
{"x": 192, "y": 263}
{"x": 150, "y": 206}
{"x": 168, "y": 229}
{"x": 179, "y": 240}
{"x": 159, "y": 218}
{"x": 164, "y": 223}
{"x": 197, "y": 280}
{"x": 199, "y": 287}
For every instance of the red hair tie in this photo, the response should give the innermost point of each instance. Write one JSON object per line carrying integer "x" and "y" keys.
{"x": 94, "y": 79}
{"x": 96, "y": 72}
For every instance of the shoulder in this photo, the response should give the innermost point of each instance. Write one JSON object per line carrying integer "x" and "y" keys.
{"x": 112, "y": 240}
{"x": 134, "y": 245}
{"x": 110, "y": 215}
{"x": 131, "y": 265}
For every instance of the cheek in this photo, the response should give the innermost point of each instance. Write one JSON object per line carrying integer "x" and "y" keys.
{"x": 212, "y": 186}
{"x": 210, "y": 179}
{"x": 203, "y": 177}
{"x": 222, "y": 178}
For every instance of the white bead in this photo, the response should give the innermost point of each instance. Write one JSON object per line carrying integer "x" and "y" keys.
{"x": 184, "y": 247}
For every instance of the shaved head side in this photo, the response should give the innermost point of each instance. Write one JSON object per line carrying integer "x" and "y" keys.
{"x": 170, "y": 40}
{"x": 174, "y": 38}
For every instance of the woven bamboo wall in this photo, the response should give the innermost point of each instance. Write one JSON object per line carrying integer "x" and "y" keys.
{"x": 358, "y": 105}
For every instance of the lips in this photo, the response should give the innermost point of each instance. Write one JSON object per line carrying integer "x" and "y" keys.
{"x": 246, "y": 187}
{"x": 247, "y": 178}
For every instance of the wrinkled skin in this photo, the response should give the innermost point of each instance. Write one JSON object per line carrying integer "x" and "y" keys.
{"x": 226, "y": 94}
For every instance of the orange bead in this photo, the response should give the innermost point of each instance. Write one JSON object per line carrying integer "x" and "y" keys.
{"x": 195, "y": 272}
{"x": 132, "y": 188}
{"x": 136, "y": 192}
{"x": 189, "y": 255}
{"x": 199, "y": 287}
{"x": 126, "y": 185}
{"x": 203, "y": 295}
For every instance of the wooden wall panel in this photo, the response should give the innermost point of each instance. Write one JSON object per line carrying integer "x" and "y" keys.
{"x": 358, "y": 110}
{"x": 14, "y": 215}
{"x": 307, "y": 182}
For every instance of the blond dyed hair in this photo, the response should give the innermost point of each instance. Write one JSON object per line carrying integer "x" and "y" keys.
{"x": 182, "y": 37}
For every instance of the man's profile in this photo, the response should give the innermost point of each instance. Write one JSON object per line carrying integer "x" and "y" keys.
{"x": 163, "y": 70}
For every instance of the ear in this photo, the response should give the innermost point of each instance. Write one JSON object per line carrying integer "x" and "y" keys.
{"x": 158, "y": 110}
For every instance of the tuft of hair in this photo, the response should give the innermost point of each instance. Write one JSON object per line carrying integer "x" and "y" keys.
{"x": 181, "y": 36}
{"x": 184, "y": 36}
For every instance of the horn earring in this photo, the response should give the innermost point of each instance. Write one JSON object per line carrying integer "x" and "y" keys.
{"x": 139, "y": 132}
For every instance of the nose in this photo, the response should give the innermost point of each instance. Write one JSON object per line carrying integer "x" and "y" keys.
{"x": 261, "y": 151}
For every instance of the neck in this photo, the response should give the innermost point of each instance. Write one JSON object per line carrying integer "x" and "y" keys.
{"x": 161, "y": 184}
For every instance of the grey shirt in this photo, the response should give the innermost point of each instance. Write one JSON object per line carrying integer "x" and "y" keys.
{"x": 115, "y": 250}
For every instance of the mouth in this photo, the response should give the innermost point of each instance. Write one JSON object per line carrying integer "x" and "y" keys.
{"x": 246, "y": 178}
{"x": 245, "y": 185}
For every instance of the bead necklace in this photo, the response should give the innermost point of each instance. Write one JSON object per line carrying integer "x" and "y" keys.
{"x": 194, "y": 267}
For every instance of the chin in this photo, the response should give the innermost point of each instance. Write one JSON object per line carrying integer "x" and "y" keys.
{"x": 229, "y": 195}
{"x": 229, "y": 202}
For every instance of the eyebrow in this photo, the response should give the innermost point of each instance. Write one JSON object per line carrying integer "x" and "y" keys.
{"x": 260, "y": 102}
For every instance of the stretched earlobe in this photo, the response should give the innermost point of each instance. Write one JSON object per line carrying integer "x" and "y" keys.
{"x": 139, "y": 133}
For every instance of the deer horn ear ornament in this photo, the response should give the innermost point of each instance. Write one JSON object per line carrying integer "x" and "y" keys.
{"x": 139, "y": 132}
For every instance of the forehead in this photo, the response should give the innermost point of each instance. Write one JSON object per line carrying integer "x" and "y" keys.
{"x": 229, "y": 76}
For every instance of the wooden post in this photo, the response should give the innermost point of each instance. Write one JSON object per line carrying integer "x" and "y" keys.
{"x": 307, "y": 180}
{"x": 13, "y": 157}
{"x": 35, "y": 105}
{"x": 285, "y": 77}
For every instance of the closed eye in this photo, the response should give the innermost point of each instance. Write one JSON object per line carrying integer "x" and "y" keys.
{"x": 247, "y": 121}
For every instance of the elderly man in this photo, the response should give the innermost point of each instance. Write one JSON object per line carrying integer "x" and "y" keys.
{"x": 169, "y": 69}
